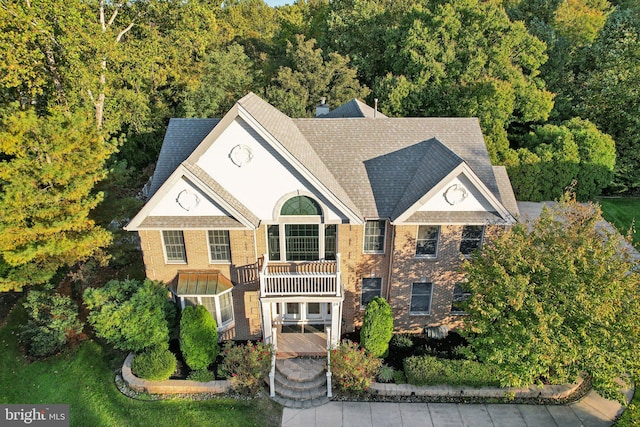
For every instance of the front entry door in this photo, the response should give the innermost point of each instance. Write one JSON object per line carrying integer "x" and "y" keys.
{"x": 300, "y": 317}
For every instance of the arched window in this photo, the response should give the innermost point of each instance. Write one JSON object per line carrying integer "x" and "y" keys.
{"x": 300, "y": 239}
{"x": 301, "y": 205}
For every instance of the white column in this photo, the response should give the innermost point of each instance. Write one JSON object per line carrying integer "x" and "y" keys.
{"x": 266, "y": 321}
{"x": 336, "y": 322}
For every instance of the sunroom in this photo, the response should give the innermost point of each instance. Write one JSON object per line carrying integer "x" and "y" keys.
{"x": 209, "y": 288}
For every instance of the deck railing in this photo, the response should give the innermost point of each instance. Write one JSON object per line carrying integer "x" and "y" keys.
{"x": 300, "y": 278}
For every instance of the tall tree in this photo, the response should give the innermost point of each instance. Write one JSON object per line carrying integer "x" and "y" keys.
{"x": 308, "y": 76}
{"x": 465, "y": 58}
{"x": 609, "y": 91}
{"x": 48, "y": 168}
{"x": 555, "y": 300}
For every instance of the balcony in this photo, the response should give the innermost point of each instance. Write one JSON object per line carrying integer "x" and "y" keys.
{"x": 321, "y": 278}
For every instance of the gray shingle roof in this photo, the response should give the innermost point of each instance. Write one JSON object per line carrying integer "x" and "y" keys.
{"x": 182, "y": 137}
{"x": 378, "y": 168}
{"x": 354, "y": 108}
{"x": 376, "y": 161}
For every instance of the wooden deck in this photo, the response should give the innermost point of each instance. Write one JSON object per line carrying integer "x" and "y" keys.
{"x": 299, "y": 344}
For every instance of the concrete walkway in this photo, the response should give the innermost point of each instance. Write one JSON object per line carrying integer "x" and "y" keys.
{"x": 591, "y": 411}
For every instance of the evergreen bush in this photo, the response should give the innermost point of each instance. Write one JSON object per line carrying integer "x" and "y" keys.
{"x": 377, "y": 327}
{"x": 198, "y": 337}
{"x": 131, "y": 315}
{"x": 154, "y": 364}
{"x": 53, "y": 319}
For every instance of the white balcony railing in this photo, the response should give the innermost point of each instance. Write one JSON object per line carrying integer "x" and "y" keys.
{"x": 300, "y": 278}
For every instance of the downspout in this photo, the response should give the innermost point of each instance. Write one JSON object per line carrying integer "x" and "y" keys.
{"x": 393, "y": 242}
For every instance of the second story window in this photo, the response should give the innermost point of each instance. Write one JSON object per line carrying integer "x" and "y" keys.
{"x": 374, "y": 232}
{"x": 174, "y": 246}
{"x": 471, "y": 238}
{"x": 427, "y": 241}
{"x": 219, "y": 248}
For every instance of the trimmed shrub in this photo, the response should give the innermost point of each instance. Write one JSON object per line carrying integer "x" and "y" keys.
{"x": 53, "y": 319}
{"x": 202, "y": 376}
{"x": 246, "y": 366}
{"x": 155, "y": 364}
{"x": 130, "y": 315}
{"x": 377, "y": 327}
{"x": 353, "y": 369}
{"x": 429, "y": 370}
{"x": 198, "y": 337}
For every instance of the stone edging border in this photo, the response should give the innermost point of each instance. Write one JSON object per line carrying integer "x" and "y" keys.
{"x": 170, "y": 386}
{"x": 547, "y": 394}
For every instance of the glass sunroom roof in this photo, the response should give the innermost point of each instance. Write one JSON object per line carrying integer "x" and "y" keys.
{"x": 210, "y": 282}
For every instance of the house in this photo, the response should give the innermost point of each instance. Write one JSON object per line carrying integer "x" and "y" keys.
{"x": 290, "y": 226}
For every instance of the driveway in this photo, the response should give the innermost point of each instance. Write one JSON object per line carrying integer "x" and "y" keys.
{"x": 590, "y": 411}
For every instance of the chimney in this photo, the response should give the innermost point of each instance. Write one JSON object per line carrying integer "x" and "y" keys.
{"x": 322, "y": 108}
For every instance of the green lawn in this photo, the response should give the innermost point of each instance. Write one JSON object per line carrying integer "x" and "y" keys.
{"x": 84, "y": 379}
{"x": 622, "y": 212}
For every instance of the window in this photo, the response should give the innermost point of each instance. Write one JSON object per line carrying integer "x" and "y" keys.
{"x": 330, "y": 242}
{"x": 371, "y": 288}
{"x": 460, "y": 296}
{"x": 427, "y": 241}
{"x": 302, "y": 242}
{"x": 226, "y": 307}
{"x": 421, "y": 298}
{"x": 273, "y": 236}
{"x": 219, "y": 249}
{"x": 374, "y": 236}
{"x": 301, "y": 205}
{"x": 174, "y": 246}
{"x": 471, "y": 238}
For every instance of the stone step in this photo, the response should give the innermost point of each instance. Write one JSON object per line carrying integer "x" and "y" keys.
{"x": 301, "y": 404}
{"x": 310, "y": 394}
{"x": 301, "y": 369}
{"x": 284, "y": 382}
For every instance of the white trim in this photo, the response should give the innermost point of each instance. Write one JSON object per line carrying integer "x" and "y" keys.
{"x": 384, "y": 237}
{"x": 427, "y": 256}
{"x": 219, "y": 261}
{"x": 164, "y": 249}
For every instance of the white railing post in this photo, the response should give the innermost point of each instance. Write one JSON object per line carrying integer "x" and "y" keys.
{"x": 272, "y": 374}
{"x": 329, "y": 394}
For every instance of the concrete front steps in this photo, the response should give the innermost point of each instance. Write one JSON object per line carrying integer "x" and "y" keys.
{"x": 301, "y": 382}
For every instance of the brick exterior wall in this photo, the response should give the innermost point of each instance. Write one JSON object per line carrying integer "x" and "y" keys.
{"x": 248, "y": 246}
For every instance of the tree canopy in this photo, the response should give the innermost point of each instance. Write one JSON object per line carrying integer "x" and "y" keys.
{"x": 555, "y": 299}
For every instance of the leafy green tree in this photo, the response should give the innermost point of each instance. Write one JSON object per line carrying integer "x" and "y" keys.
{"x": 49, "y": 166}
{"x": 466, "y": 58}
{"x": 130, "y": 315}
{"x": 227, "y": 77}
{"x": 308, "y": 76}
{"x": 555, "y": 299}
{"x": 377, "y": 327}
{"x": 574, "y": 154}
{"x": 609, "y": 89}
{"x": 198, "y": 337}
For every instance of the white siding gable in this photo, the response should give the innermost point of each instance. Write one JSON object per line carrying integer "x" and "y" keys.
{"x": 246, "y": 166}
{"x": 457, "y": 195}
{"x": 185, "y": 199}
